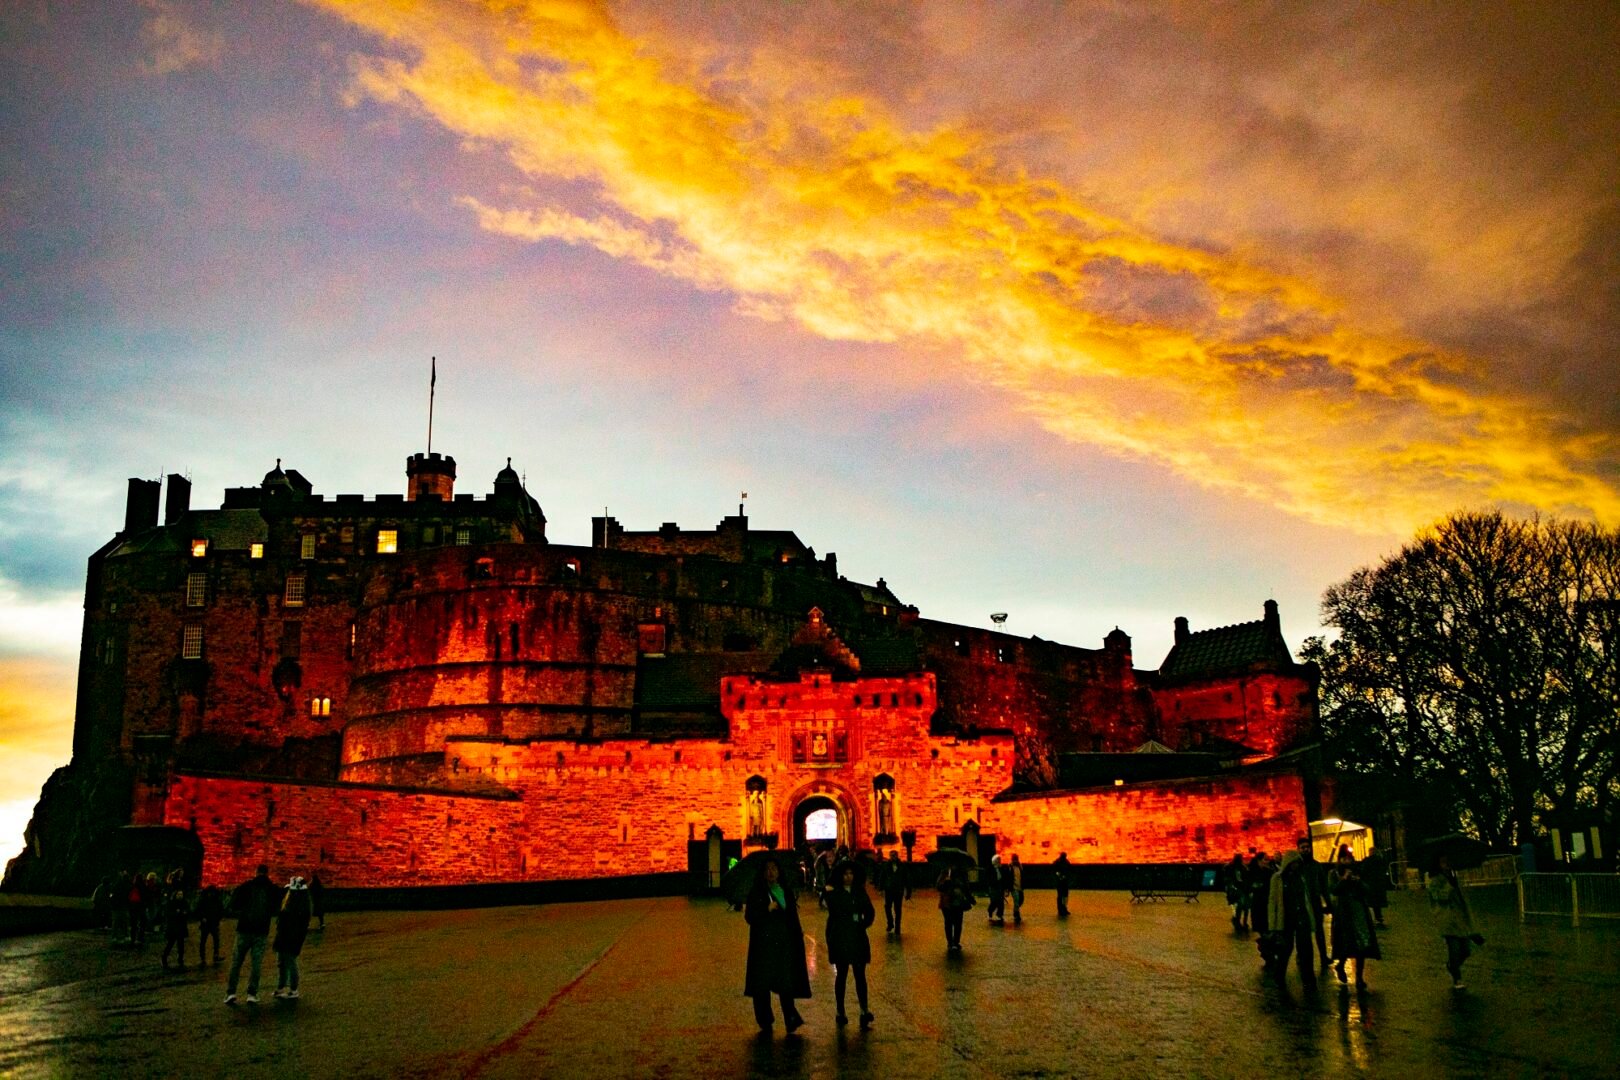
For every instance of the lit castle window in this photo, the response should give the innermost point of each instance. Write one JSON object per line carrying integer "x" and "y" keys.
{"x": 387, "y": 541}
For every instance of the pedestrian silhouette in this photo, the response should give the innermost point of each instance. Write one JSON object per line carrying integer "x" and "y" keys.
{"x": 776, "y": 963}
{"x": 849, "y": 913}
{"x": 292, "y": 926}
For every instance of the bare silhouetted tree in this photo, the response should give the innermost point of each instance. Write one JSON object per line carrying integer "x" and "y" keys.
{"x": 1482, "y": 662}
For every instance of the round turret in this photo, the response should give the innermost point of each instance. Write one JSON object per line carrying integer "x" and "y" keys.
{"x": 275, "y": 478}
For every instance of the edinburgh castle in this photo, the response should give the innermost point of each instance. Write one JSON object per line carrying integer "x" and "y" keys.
{"x": 420, "y": 689}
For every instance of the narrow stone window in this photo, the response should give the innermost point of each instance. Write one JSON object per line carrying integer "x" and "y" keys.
{"x": 292, "y": 639}
{"x": 191, "y": 641}
{"x": 320, "y": 706}
{"x": 353, "y": 633}
{"x": 293, "y": 595}
{"x": 196, "y": 589}
{"x": 513, "y": 631}
{"x": 306, "y": 546}
{"x": 463, "y": 537}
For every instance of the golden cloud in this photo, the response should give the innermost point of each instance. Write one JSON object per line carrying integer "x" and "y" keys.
{"x": 828, "y": 212}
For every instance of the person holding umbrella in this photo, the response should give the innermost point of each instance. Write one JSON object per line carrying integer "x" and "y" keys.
{"x": 954, "y": 900}
{"x": 776, "y": 962}
{"x": 849, "y": 913}
{"x": 1456, "y": 923}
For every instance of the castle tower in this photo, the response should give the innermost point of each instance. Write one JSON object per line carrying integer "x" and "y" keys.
{"x": 430, "y": 474}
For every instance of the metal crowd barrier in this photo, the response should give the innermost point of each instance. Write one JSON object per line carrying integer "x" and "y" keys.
{"x": 1576, "y": 896}
{"x": 1497, "y": 870}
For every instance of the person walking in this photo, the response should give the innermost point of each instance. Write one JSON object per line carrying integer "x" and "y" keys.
{"x": 292, "y": 926}
{"x": 254, "y": 903}
{"x": 138, "y": 915}
{"x": 1456, "y": 922}
{"x": 210, "y": 910}
{"x": 894, "y": 892}
{"x": 118, "y": 900}
{"x": 776, "y": 963}
{"x": 996, "y": 911}
{"x": 317, "y": 899}
{"x": 1375, "y": 876}
{"x": 822, "y": 865}
{"x": 1258, "y": 879}
{"x": 1316, "y": 886}
{"x": 152, "y": 901}
{"x": 849, "y": 913}
{"x": 1015, "y": 875}
{"x": 1353, "y": 935}
{"x": 954, "y": 901}
{"x": 176, "y": 916}
{"x": 1288, "y": 919}
{"x": 1060, "y": 874}
{"x": 1237, "y": 893}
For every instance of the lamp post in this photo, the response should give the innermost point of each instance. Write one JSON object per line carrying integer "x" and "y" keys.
{"x": 908, "y": 837}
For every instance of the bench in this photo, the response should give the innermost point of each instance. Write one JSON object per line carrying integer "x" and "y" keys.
{"x": 1148, "y": 894}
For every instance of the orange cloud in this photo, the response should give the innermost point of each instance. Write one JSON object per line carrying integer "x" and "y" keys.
{"x": 827, "y": 212}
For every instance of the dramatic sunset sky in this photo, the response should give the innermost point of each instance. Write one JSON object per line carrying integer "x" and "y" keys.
{"x": 1093, "y": 314}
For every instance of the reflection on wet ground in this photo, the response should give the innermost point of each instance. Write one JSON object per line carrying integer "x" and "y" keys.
{"x": 653, "y": 988}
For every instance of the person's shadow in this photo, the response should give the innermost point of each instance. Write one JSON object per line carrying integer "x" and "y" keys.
{"x": 770, "y": 1057}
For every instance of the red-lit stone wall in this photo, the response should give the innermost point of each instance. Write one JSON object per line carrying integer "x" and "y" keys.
{"x": 1180, "y": 821}
{"x": 1269, "y": 712}
{"x": 607, "y": 807}
{"x": 353, "y": 835}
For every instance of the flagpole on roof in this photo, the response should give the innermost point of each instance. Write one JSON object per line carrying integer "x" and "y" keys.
{"x": 433, "y": 382}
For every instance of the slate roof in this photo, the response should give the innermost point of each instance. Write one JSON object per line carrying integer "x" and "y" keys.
{"x": 226, "y": 530}
{"x": 1226, "y": 649}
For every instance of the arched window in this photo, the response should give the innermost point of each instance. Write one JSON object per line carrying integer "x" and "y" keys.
{"x": 756, "y": 806}
{"x": 883, "y": 799}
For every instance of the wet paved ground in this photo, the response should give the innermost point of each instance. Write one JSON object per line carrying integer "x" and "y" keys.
{"x": 652, "y": 988}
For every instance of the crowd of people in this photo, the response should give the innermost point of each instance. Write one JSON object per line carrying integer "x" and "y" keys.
{"x": 135, "y": 905}
{"x": 1290, "y": 899}
{"x": 776, "y": 958}
{"x": 1318, "y": 916}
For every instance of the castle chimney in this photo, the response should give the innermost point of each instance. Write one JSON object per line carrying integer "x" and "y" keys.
{"x": 177, "y": 501}
{"x": 430, "y": 474}
{"x": 1181, "y": 629}
{"x": 1273, "y": 623}
{"x": 141, "y": 505}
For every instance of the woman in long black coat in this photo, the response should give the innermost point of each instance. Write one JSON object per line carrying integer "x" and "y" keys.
{"x": 776, "y": 963}
{"x": 849, "y": 913}
{"x": 1353, "y": 935}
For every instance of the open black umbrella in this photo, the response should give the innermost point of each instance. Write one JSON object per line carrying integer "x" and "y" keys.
{"x": 1461, "y": 851}
{"x": 956, "y": 857}
{"x": 739, "y": 880}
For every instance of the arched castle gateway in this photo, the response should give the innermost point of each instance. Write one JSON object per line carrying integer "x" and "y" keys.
{"x": 422, "y": 689}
